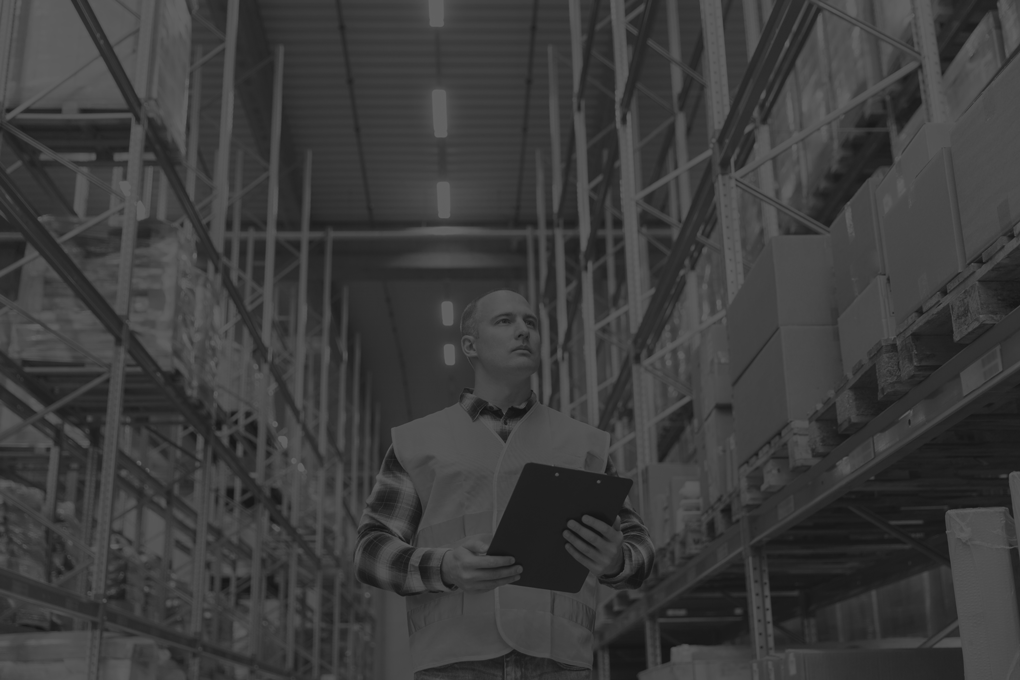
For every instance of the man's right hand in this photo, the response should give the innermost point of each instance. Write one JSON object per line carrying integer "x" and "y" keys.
{"x": 468, "y": 568}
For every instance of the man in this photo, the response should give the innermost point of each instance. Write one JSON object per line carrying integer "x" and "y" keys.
{"x": 443, "y": 484}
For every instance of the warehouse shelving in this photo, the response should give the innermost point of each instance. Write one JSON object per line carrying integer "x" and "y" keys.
{"x": 230, "y": 485}
{"x": 836, "y": 529}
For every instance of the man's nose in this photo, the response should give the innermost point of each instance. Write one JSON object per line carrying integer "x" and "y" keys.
{"x": 522, "y": 330}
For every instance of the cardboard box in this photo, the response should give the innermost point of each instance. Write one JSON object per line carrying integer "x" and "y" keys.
{"x": 858, "y": 254}
{"x": 790, "y": 285}
{"x": 874, "y": 664}
{"x": 923, "y": 239}
{"x": 869, "y": 320}
{"x": 1009, "y": 18}
{"x": 974, "y": 66}
{"x": 986, "y": 156}
{"x": 890, "y": 190}
{"x": 710, "y": 374}
{"x": 791, "y": 375}
{"x": 922, "y": 148}
{"x": 715, "y": 456}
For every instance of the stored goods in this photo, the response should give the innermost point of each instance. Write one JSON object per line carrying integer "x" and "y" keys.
{"x": 791, "y": 375}
{"x": 171, "y": 302}
{"x": 37, "y": 67}
{"x": 923, "y": 240}
{"x": 858, "y": 254}
{"x": 986, "y": 156}
{"x": 869, "y": 320}
{"x": 790, "y": 285}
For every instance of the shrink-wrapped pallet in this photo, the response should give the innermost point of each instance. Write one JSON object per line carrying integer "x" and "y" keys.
{"x": 980, "y": 541}
{"x": 42, "y": 656}
{"x": 23, "y": 544}
{"x": 72, "y": 78}
{"x": 171, "y": 302}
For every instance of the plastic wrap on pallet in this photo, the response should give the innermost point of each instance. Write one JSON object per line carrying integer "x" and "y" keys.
{"x": 1009, "y": 15}
{"x": 23, "y": 546}
{"x": 893, "y": 18}
{"x": 784, "y": 123}
{"x": 852, "y": 55}
{"x": 813, "y": 80}
{"x": 171, "y": 301}
{"x": 42, "y": 656}
{"x": 974, "y": 66}
{"x": 37, "y": 67}
{"x": 980, "y": 542}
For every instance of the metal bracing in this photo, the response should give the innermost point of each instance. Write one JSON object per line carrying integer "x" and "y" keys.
{"x": 211, "y": 523}
{"x": 702, "y": 218}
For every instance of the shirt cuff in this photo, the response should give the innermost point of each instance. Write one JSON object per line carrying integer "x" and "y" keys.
{"x": 430, "y": 570}
{"x": 626, "y": 570}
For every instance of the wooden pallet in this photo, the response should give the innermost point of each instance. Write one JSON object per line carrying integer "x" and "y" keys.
{"x": 799, "y": 445}
{"x": 974, "y": 301}
{"x": 874, "y": 383}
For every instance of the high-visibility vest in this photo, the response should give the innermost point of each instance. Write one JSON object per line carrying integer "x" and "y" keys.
{"x": 464, "y": 475}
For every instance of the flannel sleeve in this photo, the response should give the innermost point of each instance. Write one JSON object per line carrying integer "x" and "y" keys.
{"x": 638, "y": 549}
{"x": 385, "y": 557}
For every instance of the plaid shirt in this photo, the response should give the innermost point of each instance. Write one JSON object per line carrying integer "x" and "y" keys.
{"x": 386, "y": 557}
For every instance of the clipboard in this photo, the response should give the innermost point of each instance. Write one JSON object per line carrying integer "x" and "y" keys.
{"x": 531, "y": 529}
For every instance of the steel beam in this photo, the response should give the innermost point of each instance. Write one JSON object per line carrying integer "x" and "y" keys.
{"x": 543, "y": 280}
{"x": 583, "y": 221}
{"x": 635, "y": 255}
{"x": 118, "y": 364}
{"x": 166, "y": 162}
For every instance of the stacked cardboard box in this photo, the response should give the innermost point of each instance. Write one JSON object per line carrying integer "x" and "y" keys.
{"x": 986, "y": 157}
{"x": 921, "y": 230}
{"x": 171, "y": 302}
{"x": 857, "y": 250}
{"x": 863, "y": 298}
{"x": 784, "y": 353}
{"x": 697, "y": 662}
{"x": 875, "y": 664}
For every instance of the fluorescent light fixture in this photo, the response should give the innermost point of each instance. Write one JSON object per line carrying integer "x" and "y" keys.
{"x": 449, "y": 354}
{"x": 436, "y": 13}
{"x": 439, "y": 113}
{"x": 443, "y": 199}
{"x": 447, "y": 308}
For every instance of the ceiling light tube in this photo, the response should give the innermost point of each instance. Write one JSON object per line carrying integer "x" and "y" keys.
{"x": 447, "y": 308}
{"x": 439, "y": 113}
{"x": 436, "y": 13}
{"x": 443, "y": 199}
{"x": 449, "y": 354}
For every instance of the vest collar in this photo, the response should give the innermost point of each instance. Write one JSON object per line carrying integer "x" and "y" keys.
{"x": 475, "y": 405}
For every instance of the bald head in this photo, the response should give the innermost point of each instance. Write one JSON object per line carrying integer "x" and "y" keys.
{"x": 478, "y": 307}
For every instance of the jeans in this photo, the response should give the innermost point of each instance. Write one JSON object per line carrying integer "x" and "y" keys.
{"x": 512, "y": 666}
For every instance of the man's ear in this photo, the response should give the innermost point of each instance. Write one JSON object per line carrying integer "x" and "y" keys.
{"x": 467, "y": 345}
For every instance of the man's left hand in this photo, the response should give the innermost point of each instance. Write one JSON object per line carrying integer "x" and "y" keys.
{"x": 596, "y": 545}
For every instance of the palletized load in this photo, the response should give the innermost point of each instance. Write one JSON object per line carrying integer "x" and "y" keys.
{"x": 171, "y": 302}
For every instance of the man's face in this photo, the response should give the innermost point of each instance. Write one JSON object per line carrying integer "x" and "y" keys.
{"x": 508, "y": 341}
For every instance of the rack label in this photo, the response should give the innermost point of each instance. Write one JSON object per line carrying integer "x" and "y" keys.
{"x": 981, "y": 371}
{"x": 856, "y": 458}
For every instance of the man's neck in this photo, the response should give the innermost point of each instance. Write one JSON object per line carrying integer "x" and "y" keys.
{"x": 501, "y": 394}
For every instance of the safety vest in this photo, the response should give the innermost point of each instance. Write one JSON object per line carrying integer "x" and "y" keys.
{"x": 464, "y": 475}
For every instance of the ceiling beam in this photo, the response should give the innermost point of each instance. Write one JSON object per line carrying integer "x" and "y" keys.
{"x": 256, "y": 95}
